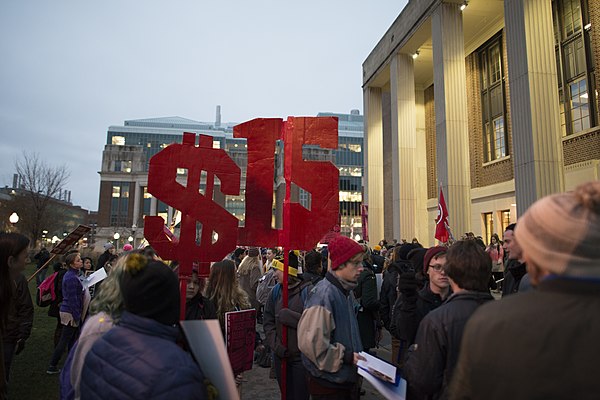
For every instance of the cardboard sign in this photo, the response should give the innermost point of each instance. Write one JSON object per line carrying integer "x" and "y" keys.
{"x": 206, "y": 342}
{"x": 240, "y": 334}
{"x": 73, "y": 237}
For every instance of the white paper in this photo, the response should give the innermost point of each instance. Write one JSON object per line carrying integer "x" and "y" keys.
{"x": 207, "y": 345}
{"x": 94, "y": 278}
{"x": 378, "y": 367}
{"x": 388, "y": 390}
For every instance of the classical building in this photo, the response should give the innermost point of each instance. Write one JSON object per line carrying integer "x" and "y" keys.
{"x": 496, "y": 102}
{"x": 124, "y": 200}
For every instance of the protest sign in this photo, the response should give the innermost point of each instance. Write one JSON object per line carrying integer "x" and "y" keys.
{"x": 240, "y": 335}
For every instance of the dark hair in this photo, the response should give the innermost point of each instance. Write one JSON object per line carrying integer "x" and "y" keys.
{"x": 88, "y": 258}
{"x": 11, "y": 245}
{"x": 312, "y": 262}
{"x": 149, "y": 252}
{"x": 468, "y": 265}
{"x": 511, "y": 227}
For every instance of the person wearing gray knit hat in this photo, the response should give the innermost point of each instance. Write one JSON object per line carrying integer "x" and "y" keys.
{"x": 544, "y": 330}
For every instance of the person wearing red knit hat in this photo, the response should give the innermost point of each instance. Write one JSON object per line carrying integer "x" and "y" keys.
{"x": 328, "y": 333}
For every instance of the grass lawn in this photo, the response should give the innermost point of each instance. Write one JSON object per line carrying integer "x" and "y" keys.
{"x": 28, "y": 379}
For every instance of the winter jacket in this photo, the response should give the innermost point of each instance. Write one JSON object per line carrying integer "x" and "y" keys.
{"x": 139, "y": 359}
{"x": 72, "y": 291}
{"x": 249, "y": 283}
{"x": 20, "y": 314}
{"x": 513, "y": 274}
{"x": 542, "y": 344}
{"x": 388, "y": 295}
{"x": 276, "y": 318}
{"x": 328, "y": 334}
{"x": 431, "y": 361}
{"x": 103, "y": 259}
{"x": 408, "y": 313}
{"x": 368, "y": 313}
{"x": 199, "y": 307}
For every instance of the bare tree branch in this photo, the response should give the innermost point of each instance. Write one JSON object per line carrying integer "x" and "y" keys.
{"x": 40, "y": 183}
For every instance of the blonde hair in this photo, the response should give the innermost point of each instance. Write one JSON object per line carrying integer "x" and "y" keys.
{"x": 109, "y": 299}
{"x": 248, "y": 264}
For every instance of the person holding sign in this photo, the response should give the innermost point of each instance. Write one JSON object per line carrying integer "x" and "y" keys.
{"x": 276, "y": 319}
{"x": 328, "y": 334}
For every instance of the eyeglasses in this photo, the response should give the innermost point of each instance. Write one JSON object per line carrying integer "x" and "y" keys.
{"x": 437, "y": 267}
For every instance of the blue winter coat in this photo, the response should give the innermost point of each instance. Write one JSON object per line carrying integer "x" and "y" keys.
{"x": 139, "y": 359}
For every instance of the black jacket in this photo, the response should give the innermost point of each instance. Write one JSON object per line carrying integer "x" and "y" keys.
{"x": 20, "y": 315}
{"x": 512, "y": 277}
{"x": 199, "y": 307}
{"x": 430, "y": 362}
{"x": 388, "y": 294}
{"x": 368, "y": 313}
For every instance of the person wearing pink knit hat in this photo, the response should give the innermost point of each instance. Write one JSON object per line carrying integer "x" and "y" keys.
{"x": 542, "y": 343}
{"x": 328, "y": 333}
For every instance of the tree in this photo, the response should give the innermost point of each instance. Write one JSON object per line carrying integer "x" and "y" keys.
{"x": 40, "y": 185}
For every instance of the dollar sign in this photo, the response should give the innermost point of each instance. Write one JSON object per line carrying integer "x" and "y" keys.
{"x": 194, "y": 207}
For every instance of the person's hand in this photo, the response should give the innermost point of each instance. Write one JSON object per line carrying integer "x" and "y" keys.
{"x": 358, "y": 357}
{"x": 19, "y": 346}
{"x": 407, "y": 283}
{"x": 239, "y": 379}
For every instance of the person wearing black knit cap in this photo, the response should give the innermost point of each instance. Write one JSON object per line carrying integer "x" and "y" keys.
{"x": 139, "y": 358}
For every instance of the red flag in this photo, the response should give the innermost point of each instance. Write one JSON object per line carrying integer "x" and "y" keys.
{"x": 442, "y": 232}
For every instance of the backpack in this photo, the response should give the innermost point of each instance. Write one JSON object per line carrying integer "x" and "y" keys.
{"x": 265, "y": 284}
{"x": 45, "y": 293}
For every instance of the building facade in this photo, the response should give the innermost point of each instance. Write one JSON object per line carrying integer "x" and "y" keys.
{"x": 124, "y": 200}
{"x": 496, "y": 102}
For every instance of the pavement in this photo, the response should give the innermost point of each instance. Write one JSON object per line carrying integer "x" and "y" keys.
{"x": 258, "y": 386}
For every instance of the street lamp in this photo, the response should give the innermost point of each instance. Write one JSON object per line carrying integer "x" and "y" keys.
{"x": 14, "y": 218}
{"x": 116, "y": 236}
{"x": 130, "y": 239}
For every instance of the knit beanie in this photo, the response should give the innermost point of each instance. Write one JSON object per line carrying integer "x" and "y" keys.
{"x": 416, "y": 256}
{"x": 108, "y": 246}
{"x": 404, "y": 249}
{"x": 127, "y": 247}
{"x": 574, "y": 248}
{"x": 341, "y": 249}
{"x": 432, "y": 252}
{"x": 150, "y": 289}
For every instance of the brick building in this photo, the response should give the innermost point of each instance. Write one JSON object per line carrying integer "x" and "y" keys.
{"x": 494, "y": 101}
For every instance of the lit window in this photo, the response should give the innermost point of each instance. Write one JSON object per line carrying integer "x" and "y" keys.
{"x": 118, "y": 140}
{"x": 116, "y": 191}
{"x": 181, "y": 171}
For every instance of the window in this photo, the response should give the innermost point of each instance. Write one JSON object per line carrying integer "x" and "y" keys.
{"x": 492, "y": 100}
{"x": 504, "y": 219}
{"x": 574, "y": 67}
{"x": 488, "y": 222}
{"x": 116, "y": 191}
{"x": 122, "y": 166}
{"x": 118, "y": 140}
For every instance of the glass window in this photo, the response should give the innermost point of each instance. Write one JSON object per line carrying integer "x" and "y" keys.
{"x": 116, "y": 191}
{"x": 504, "y": 219}
{"x": 492, "y": 100}
{"x": 488, "y": 222}
{"x": 118, "y": 140}
{"x": 575, "y": 71}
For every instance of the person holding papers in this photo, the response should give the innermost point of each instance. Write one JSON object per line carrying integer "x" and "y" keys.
{"x": 72, "y": 309}
{"x": 328, "y": 334}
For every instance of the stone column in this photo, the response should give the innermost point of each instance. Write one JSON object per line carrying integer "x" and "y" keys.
{"x": 153, "y": 205}
{"x": 421, "y": 223}
{"x": 537, "y": 147}
{"x": 452, "y": 137}
{"x": 404, "y": 144}
{"x": 136, "y": 203}
{"x": 373, "y": 163}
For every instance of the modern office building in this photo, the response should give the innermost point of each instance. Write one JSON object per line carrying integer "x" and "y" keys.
{"x": 494, "y": 101}
{"x": 124, "y": 200}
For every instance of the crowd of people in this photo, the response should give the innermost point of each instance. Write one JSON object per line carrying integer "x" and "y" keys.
{"x": 451, "y": 336}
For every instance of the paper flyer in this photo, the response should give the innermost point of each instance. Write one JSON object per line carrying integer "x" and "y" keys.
{"x": 94, "y": 278}
{"x": 207, "y": 345}
{"x": 382, "y": 376}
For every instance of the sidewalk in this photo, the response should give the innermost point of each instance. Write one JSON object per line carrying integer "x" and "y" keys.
{"x": 260, "y": 387}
